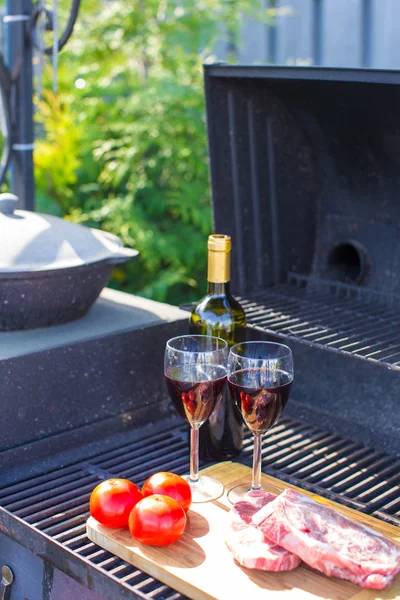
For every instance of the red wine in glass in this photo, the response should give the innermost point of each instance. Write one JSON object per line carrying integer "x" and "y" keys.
{"x": 260, "y": 395}
{"x": 195, "y": 392}
{"x": 260, "y": 376}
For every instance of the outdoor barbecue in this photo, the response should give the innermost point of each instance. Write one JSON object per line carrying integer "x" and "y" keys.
{"x": 315, "y": 266}
{"x": 304, "y": 174}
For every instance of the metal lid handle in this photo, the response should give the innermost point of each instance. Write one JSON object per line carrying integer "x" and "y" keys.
{"x": 8, "y": 203}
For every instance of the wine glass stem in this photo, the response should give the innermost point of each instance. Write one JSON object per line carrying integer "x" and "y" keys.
{"x": 194, "y": 454}
{"x": 256, "y": 475}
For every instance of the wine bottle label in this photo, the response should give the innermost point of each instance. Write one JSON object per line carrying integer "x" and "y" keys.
{"x": 219, "y": 258}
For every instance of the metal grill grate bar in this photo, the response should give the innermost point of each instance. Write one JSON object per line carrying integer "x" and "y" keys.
{"x": 151, "y": 452}
{"x": 365, "y": 484}
{"x": 180, "y": 464}
{"x": 390, "y": 497}
{"x": 58, "y": 525}
{"x": 39, "y": 502}
{"x": 74, "y": 533}
{"x": 327, "y": 471}
{"x": 359, "y": 475}
{"x": 44, "y": 484}
{"x": 357, "y": 462}
{"x": 103, "y": 558}
{"x": 90, "y": 551}
{"x": 76, "y": 544}
{"x": 346, "y": 319}
{"x": 392, "y": 507}
{"x": 294, "y": 462}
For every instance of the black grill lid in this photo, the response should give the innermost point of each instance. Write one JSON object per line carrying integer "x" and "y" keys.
{"x": 305, "y": 173}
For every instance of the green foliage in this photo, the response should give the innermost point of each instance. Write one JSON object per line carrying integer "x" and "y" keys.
{"x": 128, "y": 152}
{"x": 56, "y": 178}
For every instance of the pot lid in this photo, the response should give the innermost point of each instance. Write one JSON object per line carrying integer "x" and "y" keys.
{"x": 31, "y": 241}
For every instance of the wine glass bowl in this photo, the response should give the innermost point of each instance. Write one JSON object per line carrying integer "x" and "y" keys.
{"x": 195, "y": 375}
{"x": 260, "y": 395}
{"x": 260, "y": 376}
{"x": 195, "y": 390}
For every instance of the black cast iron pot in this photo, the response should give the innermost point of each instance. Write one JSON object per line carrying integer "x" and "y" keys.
{"x": 51, "y": 270}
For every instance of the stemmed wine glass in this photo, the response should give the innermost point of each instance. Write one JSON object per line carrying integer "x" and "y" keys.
{"x": 260, "y": 376}
{"x": 195, "y": 373}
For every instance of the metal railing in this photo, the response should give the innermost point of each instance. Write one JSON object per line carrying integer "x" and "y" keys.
{"x": 21, "y": 20}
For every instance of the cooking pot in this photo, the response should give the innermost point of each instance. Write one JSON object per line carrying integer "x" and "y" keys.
{"x": 51, "y": 270}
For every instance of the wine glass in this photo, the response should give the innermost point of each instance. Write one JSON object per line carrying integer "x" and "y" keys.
{"x": 260, "y": 376}
{"x": 195, "y": 374}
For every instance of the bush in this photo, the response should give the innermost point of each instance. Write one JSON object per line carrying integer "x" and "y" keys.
{"x": 125, "y": 145}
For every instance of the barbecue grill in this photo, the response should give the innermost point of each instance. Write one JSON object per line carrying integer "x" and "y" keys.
{"x": 304, "y": 167}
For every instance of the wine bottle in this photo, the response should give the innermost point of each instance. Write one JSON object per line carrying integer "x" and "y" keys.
{"x": 219, "y": 314}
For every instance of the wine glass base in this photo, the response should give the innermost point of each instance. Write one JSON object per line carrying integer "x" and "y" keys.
{"x": 205, "y": 489}
{"x": 243, "y": 492}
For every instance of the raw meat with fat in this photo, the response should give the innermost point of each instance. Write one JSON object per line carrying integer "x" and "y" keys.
{"x": 248, "y": 544}
{"x": 328, "y": 541}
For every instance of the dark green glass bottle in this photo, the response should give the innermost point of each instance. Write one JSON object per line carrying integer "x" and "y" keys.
{"x": 218, "y": 313}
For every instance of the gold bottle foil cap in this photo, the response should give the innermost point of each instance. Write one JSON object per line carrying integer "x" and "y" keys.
{"x": 219, "y": 258}
{"x": 219, "y": 242}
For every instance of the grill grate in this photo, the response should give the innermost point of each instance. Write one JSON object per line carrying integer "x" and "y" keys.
{"x": 56, "y": 502}
{"x": 338, "y": 316}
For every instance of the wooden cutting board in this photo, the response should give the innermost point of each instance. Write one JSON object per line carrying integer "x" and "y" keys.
{"x": 200, "y": 566}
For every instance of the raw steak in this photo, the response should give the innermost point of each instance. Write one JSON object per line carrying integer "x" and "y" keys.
{"x": 247, "y": 543}
{"x": 328, "y": 541}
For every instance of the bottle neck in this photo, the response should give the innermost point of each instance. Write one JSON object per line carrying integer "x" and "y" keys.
{"x": 218, "y": 275}
{"x": 218, "y": 289}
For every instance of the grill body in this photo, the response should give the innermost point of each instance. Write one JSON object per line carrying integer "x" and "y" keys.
{"x": 304, "y": 173}
{"x": 305, "y": 178}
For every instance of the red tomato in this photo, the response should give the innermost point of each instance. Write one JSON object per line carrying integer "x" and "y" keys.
{"x": 112, "y": 501}
{"x": 169, "y": 484}
{"x": 157, "y": 520}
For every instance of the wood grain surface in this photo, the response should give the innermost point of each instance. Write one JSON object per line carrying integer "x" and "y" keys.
{"x": 200, "y": 566}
